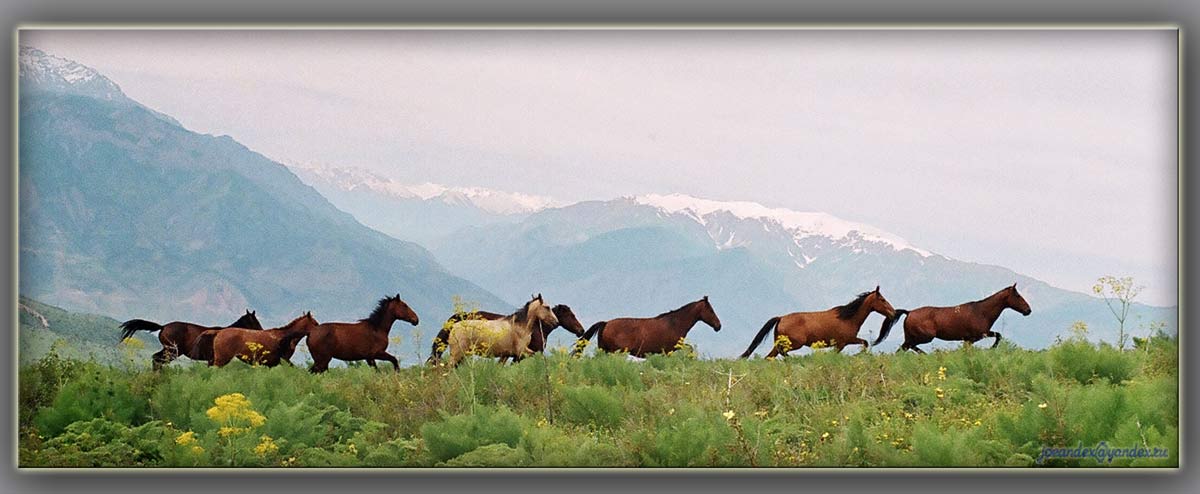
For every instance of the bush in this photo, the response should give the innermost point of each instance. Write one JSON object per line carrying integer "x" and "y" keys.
{"x": 594, "y": 406}
{"x": 1085, "y": 361}
{"x": 460, "y": 434}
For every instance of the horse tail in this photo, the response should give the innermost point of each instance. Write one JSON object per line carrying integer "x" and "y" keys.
{"x": 762, "y": 333}
{"x": 887, "y": 325}
{"x": 440, "y": 342}
{"x": 134, "y": 325}
{"x": 592, "y": 331}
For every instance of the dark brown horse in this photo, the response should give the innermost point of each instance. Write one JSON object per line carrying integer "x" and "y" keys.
{"x": 259, "y": 347}
{"x": 837, "y": 327}
{"x": 643, "y": 336}
{"x": 177, "y": 337}
{"x": 537, "y": 343}
{"x": 366, "y": 339}
{"x": 969, "y": 322}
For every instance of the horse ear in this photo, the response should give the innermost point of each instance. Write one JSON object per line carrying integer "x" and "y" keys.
{"x": 706, "y": 297}
{"x": 876, "y": 288}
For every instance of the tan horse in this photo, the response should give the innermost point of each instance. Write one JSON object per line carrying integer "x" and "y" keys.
{"x": 537, "y": 343}
{"x": 260, "y": 347}
{"x": 837, "y": 327}
{"x": 366, "y": 339}
{"x": 504, "y": 338}
{"x": 969, "y": 322}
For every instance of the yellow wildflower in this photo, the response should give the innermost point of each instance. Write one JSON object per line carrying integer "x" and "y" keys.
{"x": 197, "y": 450}
{"x": 1043, "y": 405}
{"x": 941, "y": 373}
{"x": 186, "y": 438}
{"x": 265, "y": 446}
{"x": 729, "y": 415}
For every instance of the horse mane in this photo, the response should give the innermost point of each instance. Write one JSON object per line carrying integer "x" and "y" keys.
{"x": 380, "y": 312}
{"x": 684, "y": 306}
{"x": 247, "y": 321}
{"x": 847, "y": 311}
{"x": 522, "y": 314}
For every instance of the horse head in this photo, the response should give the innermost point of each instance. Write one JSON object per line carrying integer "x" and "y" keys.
{"x": 1016, "y": 302}
{"x": 708, "y": 315}
{"x": 876, "y": 303}
{"x": 402, "y": 311}
{"x": 567, "y": 319}
{"x": 538, "y": 311}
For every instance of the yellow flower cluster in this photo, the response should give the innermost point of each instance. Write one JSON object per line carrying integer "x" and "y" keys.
{"x": 233, "y": 412}
{"x": 266, "y": 446}
{"x": 941, "y": 373}
{"x": 186, "y": 438}
{"x": 783, "y": 343}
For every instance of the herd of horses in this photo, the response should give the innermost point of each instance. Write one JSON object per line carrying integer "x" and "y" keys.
{"x": 524, "y": 332}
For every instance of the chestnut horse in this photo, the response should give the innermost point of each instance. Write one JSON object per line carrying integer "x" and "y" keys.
{"x": 266, "y": 347}
{"x": 969, "y": 322}
{"x": 643, "y": 336}
{"x": 537, "y": 343}
{"x": 366, "y": 339}
{"x": 177, "y": 337}
{"x": 837, "y": 327}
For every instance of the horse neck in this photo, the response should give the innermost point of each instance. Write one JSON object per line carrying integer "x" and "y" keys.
{"x": 385, "y": 322}
{"x": 861, "y": 315}
{"x": 684, "y": 318}
{"x": 991, "y": 307}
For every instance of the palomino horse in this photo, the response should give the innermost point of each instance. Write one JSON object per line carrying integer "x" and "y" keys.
{"x": 838, "y": 326}
{"x": 537, "y": 343}
{"x": 177, "y": 337}
{"x": 969, "y": 322}
{"x": 266, "y": 347}
{"x": 659, "y": 334}
{"x": 506, "y": 337}
{"x": 366, "y": 339}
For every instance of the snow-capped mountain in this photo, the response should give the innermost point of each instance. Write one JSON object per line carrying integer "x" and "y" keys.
{"x": 49, "y": 72}
{"x": 801, "y": 225}
{"x": 350, "y": 179}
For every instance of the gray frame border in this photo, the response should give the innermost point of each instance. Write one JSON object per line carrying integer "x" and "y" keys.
{"x": 709, "y": 474}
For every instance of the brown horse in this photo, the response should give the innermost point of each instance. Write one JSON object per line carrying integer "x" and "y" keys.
{"x": 177, "y": 337}
{"x": 537, "y": 343}
{"x": 969, "y": 322}
{"x": 504, "y": 338}
{"x": 265, "y": 347}
{"x": 366, "y": 339}
{"x": 838, "y": 326}
{"x": 643, "y": 336}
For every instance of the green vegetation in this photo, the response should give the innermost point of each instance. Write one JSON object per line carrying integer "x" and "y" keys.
{"x": 966, "y": 407}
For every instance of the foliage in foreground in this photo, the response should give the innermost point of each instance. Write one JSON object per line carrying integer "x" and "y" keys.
{"x": 967, "y": 407}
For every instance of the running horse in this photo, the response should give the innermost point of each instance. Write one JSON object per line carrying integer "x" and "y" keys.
{"x": 177, "y": 337}
{"x": 505, "y": 337}
{"x": 259, "y": 347}
{"x": 969, "y": 322}
{"x": 537, "y": 343}
{"x": 366, "y": 339}
{"x": 644, "y": 336}
{"x": 838, "y": 326}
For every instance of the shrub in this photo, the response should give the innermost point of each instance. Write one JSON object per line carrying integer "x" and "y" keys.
{"x": 592, "y": 405}
{"x": 459, "y": 434}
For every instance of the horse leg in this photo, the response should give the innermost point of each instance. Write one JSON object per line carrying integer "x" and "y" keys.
{"x": 320, "y": 364}
{"x": 371, "y": 362}
{"x": 859, "y": 341}
{"x": 387, "y": 357}
{"x": 908, "y": 345}
{"x": 160, "y": 358}
{"x": 503, "y": 359}
{"x": 993, "y": 334}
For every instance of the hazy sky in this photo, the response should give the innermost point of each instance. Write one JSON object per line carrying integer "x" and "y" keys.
{"x": 1049, "y": 152}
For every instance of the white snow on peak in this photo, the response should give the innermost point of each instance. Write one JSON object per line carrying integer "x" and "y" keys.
{"x": 800, "y": 224}
{"x": 493, "y": 201}
{"x": 42, "y": 68}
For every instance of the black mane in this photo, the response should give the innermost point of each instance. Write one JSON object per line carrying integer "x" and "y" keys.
{"x": 522, "y": 314}
{"x": 380, "y": 312}
{"x": 247, "y": 321}
{"x": 847, "y": 311}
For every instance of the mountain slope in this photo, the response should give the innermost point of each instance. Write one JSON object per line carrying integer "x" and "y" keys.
{"x": 125, "y": 212}
{"x": 641, "y": 256}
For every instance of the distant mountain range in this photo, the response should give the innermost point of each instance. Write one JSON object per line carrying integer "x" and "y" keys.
{"x": 420, "y": 212}
{"x": 124, "y": 212}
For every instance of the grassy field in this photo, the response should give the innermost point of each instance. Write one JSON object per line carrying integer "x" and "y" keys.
{"x": 966, "y": 407}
